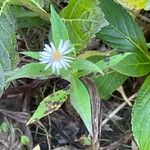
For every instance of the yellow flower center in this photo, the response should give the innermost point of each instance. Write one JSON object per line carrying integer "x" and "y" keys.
{"x": 56, "y": 55}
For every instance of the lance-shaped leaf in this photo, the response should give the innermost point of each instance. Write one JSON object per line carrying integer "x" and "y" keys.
{"x": 32, "y": 54}
{"x": 141, "y": 117}
{"x": 110, "y": 61}
{"x": 128, "y": 64}
{"x": 132, "y": 65}
{"x": 80, "y": 100}
{"x": 59, "y": 30}
{"x": 32, "y": 70}
{"x": 83, "y": 19}
{"x": 83, "y": 64}
{"x": 49, "y": 104}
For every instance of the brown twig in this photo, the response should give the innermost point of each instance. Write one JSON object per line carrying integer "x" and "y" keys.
{"x": 118, "y": 109}
{"x": 141, "y": 16}
{"x": 96, "y": 113}
{"x": 122, "y": 92}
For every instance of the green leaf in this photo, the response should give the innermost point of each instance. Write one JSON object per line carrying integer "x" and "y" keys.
{"x": 122, "y": 33}
{"x": 2, "y": 80}
{"x": 49, "y": 104}
{"x": 127, "y": 63}
{"x": 93, "y": 54}
{"x": 32, "y": 54}
{"x": 59, "y": 30}
{"x": 141, "y": 117}
{"x": 37, "y": 147}
{"x": 111, "y": 61}
{"x": 34, "y": 6}
{"x": 32, "y": 70}
{"x": 26, "y": 18}
{"x": 83, "y": 64}
{"x": 108, "y": 83}
{"x": 83, "y": 19}
{"x": 40, "y": 2}
{"x": 86, "y": 141}
{"x": 27, "y": 22}
{"x": 4, "y": 127}
{"x": 132, "y": 65}
{"x": 20, "y": 12}
{"x": 80, "y": 100}
{"x": 8, "y": 56}
{"x": 25, "y": 140}
{"x": 147, "y": 7}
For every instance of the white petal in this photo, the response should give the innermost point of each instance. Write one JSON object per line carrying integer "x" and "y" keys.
{"x": 67, "y": 51}
{"x": 66, "y": 60}
{"x": 53, "y": 67}
{"x": 60, "y": 45}
{"x": 44, "y": 62}
{"x": 49, "y": 64}
{"x": 45, "y": 49}
{"x": 44, "y": 53}
{"x": 64, "y": 65}
{"x": 48, "y": 51}
{"x": 45, "y": 58}
{"x": 67, "y": 57}
{"x": 65, "y": 46}
{"x": 58, "y": 67}
{"x": 48, "y": 48}
{"x": 52, "y": 46}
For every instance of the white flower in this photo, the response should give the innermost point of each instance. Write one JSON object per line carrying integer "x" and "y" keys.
{"x": 56, "y": 57}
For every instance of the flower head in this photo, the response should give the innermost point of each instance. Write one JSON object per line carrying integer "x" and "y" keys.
{"x": 55, "y": 57}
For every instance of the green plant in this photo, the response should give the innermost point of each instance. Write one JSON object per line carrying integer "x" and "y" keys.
{"x": 11, "y": 132}
{"x": 79, "y": 22}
